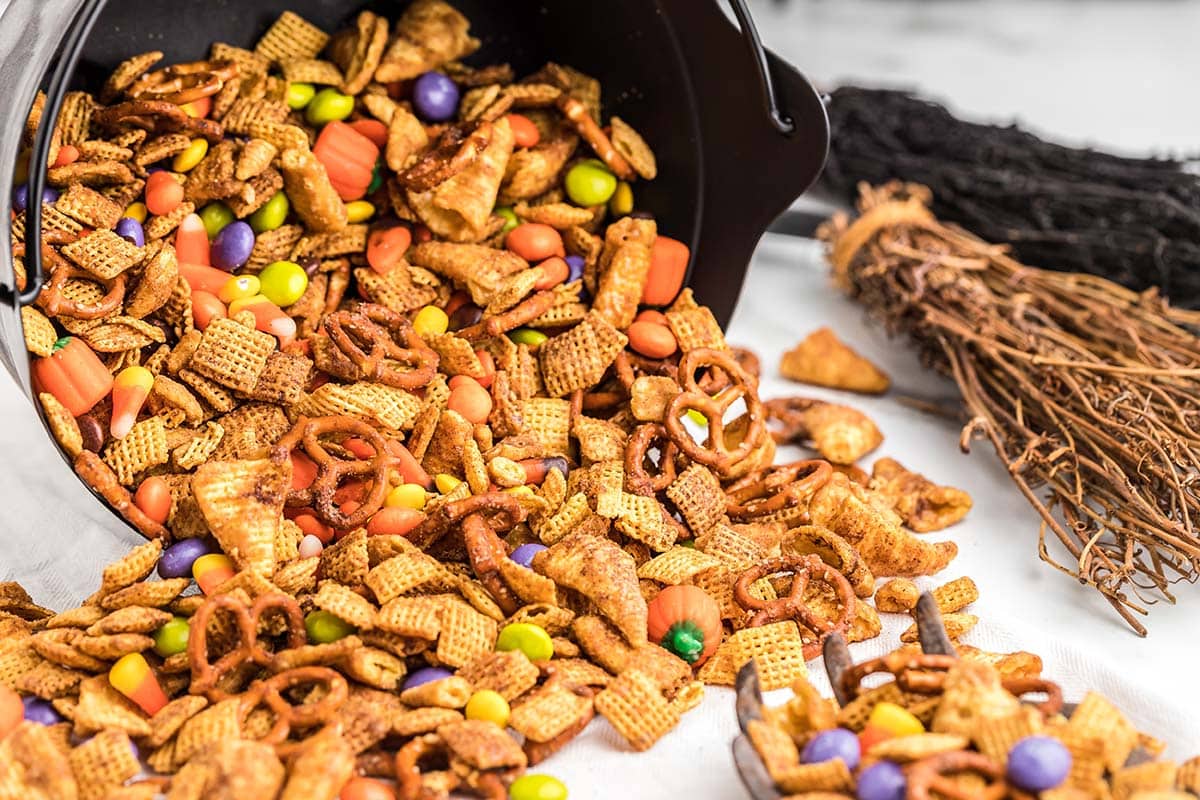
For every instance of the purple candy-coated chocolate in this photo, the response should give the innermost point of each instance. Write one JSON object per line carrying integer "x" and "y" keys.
{"x": 176, "y": 561}
{"x": 1038, "y": 763}
{"x": 20, "y": 197}
{"x": 575, "y": 266}
{"x": 882, "y": 781}
{"x": 435, "y": 97}
{"x": 40, "y": 711}
{"x": 831, "y": 744}
{"x": 425, "y": 675}
{"x": 131, "y": 230}
{"x": 524, "y": 554}
{"x": 559, "y": 463}
{"x": 231, "y": 249}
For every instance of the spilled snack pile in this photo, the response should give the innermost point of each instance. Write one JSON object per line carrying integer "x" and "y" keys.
{"x": 358, "y": 344}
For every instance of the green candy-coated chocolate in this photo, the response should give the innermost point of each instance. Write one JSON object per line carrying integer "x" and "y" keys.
{"x": 215, "y": 217}
{"x": 299, "y": 95}
{"x": 590, "y": 185}
{"x": 272, "y": 214}
{"x": 283, "y": 282}
{"x": 323, "y": 627}
{"x": 531, "y": 640}
{"x": 537, "y": 787}
{"x": 329, "y": 105}
{"x": 172, "y": 637}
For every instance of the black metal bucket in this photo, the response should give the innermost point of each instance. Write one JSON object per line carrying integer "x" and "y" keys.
{"x": 738, "y": 133}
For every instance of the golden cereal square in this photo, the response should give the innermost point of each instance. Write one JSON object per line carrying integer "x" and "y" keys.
{"x": 466, "y": 635}
{"x": 232, "y": 354}
{"x": 291, "y": 37}
{"x": 776, "y": 648}
{"x": 103, "y": 253}
{"x": 635, "y": 706}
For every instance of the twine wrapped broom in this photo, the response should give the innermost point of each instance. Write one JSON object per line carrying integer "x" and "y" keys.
{"x": 1089, "y": 392}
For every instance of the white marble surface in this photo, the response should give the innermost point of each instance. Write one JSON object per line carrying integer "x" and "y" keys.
{"x": 1114, "y": 73}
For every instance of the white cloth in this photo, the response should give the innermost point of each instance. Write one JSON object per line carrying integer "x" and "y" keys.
{"x": 1023, "y": 603}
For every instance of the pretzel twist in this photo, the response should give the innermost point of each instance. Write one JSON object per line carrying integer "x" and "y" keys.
{"x": 637, "y": 479}
{"x": 803, "y": 569}
{"x": 408, "y": 764}
{"x": 331, "y": 472}
{"x": 370, "y": 337}
{"x": 456, "y": 149}
{"x": 715, "y": 451}
{"x": 157, "y": 116}
{"x": 776, "y": 488}
{"x": 928, "y": 776}
{"x": 184, "y": 83}
{"x": 206, "y": 674}
{"x": 51, "y": 299}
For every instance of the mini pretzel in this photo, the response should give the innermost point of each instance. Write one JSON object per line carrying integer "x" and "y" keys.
{"x": 486, "y": 550}
{"x": 381, "y": 329}
{"x": 803, "y": 569}
{"x": 747, "y": 360}
{"x": 923, "y": 673}
{"x": 715, "y": 452}
{"x": 332, "y": 471}
{"x": 100, "y": 477}
{"x": 501, "y": 511}
{"x": 928, "y": 776}
{"x": 157, "y": 116}
{"x": 184, "y": 83}
{"x": 789, "y": 412}
{"x": 524, "y": 312}
{"x": 205, "y": 674}
{"x": 269, "y": 692}
{"x": 665, "y": 367}
{"x": 51, "y": 299}
{"x": 1021, "y": 686}
{"x": 408, "y": 764}
{"x": 776, "y": 488}
{"x": 455, "y": 150}
{"x": 577, "y": 113}
{"x": 637, "y": 479}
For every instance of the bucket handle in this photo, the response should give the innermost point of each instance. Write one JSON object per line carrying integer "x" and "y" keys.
{"x": 35, "y": 273}
{"x": 782, "y": 122}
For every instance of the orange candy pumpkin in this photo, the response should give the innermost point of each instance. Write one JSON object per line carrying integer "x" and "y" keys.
{"x": 74, "y": 375}
{"x": 686, "y": 621}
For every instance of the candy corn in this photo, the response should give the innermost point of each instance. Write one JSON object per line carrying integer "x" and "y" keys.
{"x": 894, "y": 719}
{"x": 191, "y": 245}
{"x": 268, "y": 317}
{"x": 132, "y": 677}
{"x": 130, "y": 390}
{"x": 203, "y": 278}
{"x": 212, "y": 570}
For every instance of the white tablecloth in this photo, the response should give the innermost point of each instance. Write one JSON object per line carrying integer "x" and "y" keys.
{"x": 1024, "y": 604}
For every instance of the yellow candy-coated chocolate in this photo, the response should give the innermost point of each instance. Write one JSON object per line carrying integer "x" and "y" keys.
{"x": 359, "y": 211}
{"x": 406, "y": 495}
{"x": 430, "y": 321}
{"x": 489, "y": 706}
{"x": 193, "y": 155}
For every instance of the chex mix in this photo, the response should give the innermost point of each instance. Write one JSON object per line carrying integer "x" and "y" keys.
{"x": 435, "y": 458}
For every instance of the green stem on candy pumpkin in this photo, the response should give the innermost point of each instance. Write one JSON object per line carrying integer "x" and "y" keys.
{"x": 685, "y": 639}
